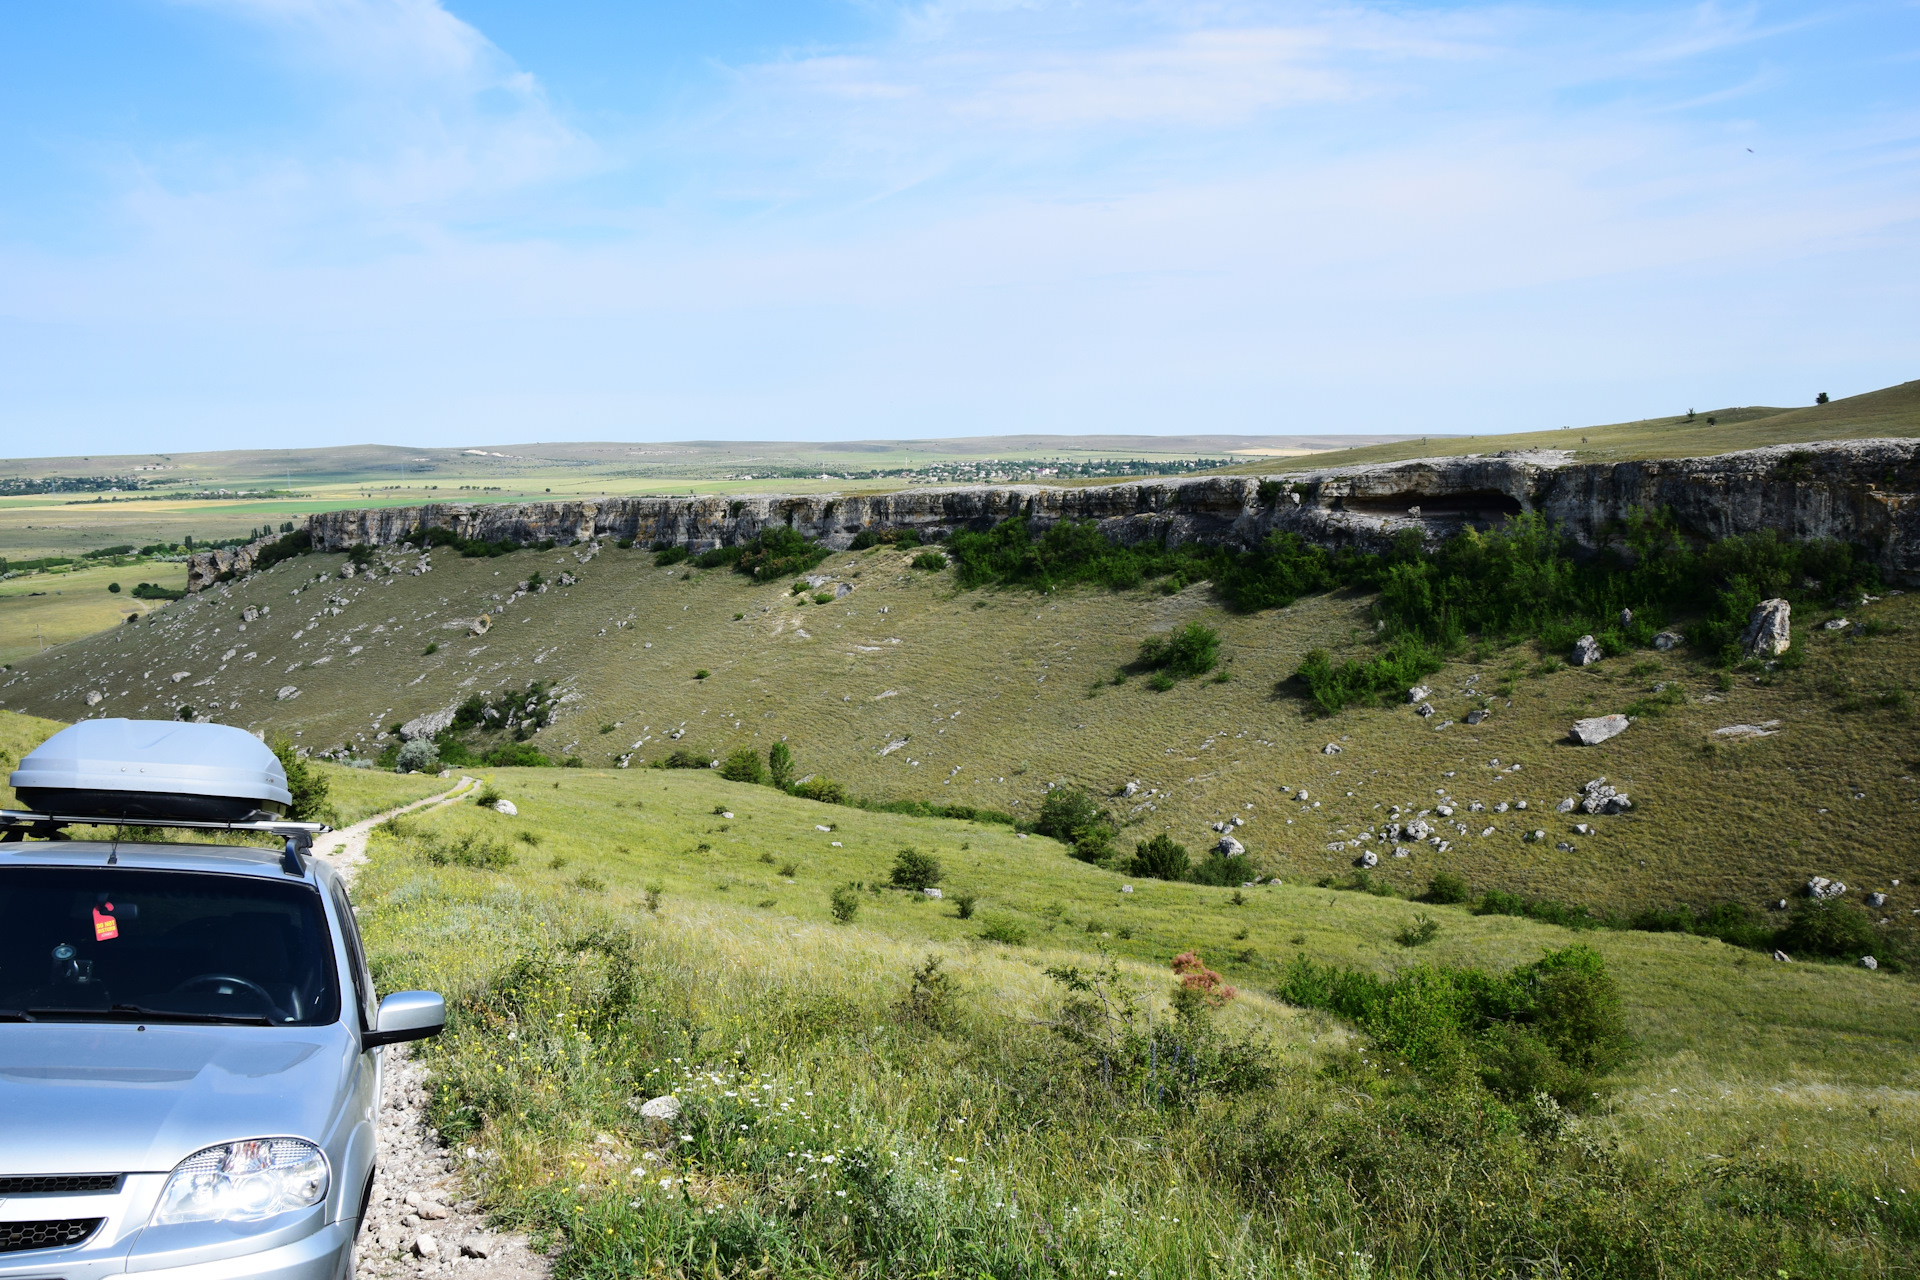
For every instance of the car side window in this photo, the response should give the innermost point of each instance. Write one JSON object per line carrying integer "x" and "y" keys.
{"x": 356, "y": 957}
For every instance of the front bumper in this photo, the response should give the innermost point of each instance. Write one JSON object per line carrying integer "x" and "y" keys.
{"x": 325, "y": 1254}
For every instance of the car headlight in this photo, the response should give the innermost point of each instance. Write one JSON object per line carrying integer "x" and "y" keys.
{"x": 244, "y": 1182}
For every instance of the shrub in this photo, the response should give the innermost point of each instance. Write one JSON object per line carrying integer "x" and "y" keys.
{"x": 1003, "y": 930}
{"x": 654, "y": 891}
{"x": 742, "y": 765}
{"x": 487, "y": 797}
{"x": 433, "y": 647}
{"x": 844, "y": 903}
{"x": 114, "y": 587}
{"x": 1161, "y": 859}
{"x": 1824, "y": 927}
{"x": 516, "y": 755}
{"x": 1423, "y": 930}
{"x": 307, "y": 785}
{"x": 931, "y": 561}
{"x": 665, "y": 554}
{"x": 1192, "y": 650}
{"x": 930, "y": 996}
{"x": 825, "y": 790}
{"x": 915, "y": 870}
{"x": 780, "y": 766}
{"x": 418, "y": 756}
{"x": 1071, "y": 815}
{"x": 702, "y": 674}
{"x": 1446, "y": 888}
{"x": 963, "y": 904}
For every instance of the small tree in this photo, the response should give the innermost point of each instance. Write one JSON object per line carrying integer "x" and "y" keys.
{"x": 780, "y": 765}
{"x": 743, "y": 765}
{"x": 1193, "y": 650}
{"x": 114, "y": 587}
{"x": 1161, "y": 859}
{"x": 845, "y": 904}
{"x": 915, "y": 870}
{"x": 1821, "y": 398}
{"x": 307, "y": 784}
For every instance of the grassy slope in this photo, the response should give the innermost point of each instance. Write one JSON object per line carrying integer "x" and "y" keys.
{"x": 1890, "y": 411}
{"x": 1737, "y": 1054}
{"x": 1002, "y": 687}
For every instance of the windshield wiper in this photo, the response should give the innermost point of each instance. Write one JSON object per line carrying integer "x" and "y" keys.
{"x": 135, "y": 1012}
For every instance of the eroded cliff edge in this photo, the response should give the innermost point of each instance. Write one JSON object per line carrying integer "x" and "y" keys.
{"x": 1858, "y": 491}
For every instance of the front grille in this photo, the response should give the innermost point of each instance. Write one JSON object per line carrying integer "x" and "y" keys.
{"x": 18, "y": 1236}
{"x": 28, "y": 1184}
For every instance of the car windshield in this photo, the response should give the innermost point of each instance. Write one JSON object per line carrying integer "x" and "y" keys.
{"x": 114, "y": 944}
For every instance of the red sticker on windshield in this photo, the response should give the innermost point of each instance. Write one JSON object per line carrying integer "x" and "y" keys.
{"x": 104, "y": 926}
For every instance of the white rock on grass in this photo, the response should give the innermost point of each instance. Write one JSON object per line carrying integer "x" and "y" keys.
{"x": 1837, "y": 624}
{"x": 1782, "y": 957}
{"x": 1419, "y": 693}
{"x": 1876, "y": 899}
{"x": 1586, "y": 652}
{"x": 1331, "y": 749}
{"x": 285, "y": 692}
{"x": 507, "y": 807}
{"x": 1595, "y": 730}
{"x": 1769, "y": 631}
{"x": 1229, "y": 847}
{"x": 665, "y": 1108}
{"x": 1369, "y": 859}
{"x": 1868, "y": 962}
{"x": 1566, "y": 806}
{"x": 932, "y": 893}
{"x": 1822, "y": 888}
{"x": 95, "y": 697}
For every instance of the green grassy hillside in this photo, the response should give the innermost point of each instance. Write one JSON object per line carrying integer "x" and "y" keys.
{"x": 672, "y": 932}
{"x": 904, "y": 688}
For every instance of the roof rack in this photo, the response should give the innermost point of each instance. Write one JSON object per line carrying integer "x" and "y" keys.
{"x": 16, "y": 825}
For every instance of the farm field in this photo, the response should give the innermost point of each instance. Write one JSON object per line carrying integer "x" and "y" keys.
{"x": 42, "y": 610}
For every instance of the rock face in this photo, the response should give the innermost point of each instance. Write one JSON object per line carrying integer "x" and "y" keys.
{"x": 1586, "y": 652}
{"x": 427, "y": 725}
{"x": 1594, "y": 731}
{"x": 1858, "y": 491}
{"x": 1769, "y": 631}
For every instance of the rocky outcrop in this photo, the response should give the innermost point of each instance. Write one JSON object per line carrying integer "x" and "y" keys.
{"x": 1769, "y": 631}
{"x": 1597, "y": 729}
{"x": 1859, "y": 491}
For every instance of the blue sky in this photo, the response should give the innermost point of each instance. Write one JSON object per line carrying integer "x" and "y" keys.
{"x": 226, "y": 222}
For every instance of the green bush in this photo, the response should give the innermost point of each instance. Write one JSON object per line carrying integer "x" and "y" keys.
{"x": 915, "y": 870}
{"x": 418, "y": 756}
{"x": 963, "y": 904}
{"x": 1071, "y": 815}
{"x": 824, "y": 790}
{"x": 931, "y": 561}
{"x": 1826, "y": 927}
{"x": 516, "y": 755}
{"x": 307, "y": 785}
{"x": 665, "y": 554}
{"x": 1159, "y": 858}
{"x": 1446, "y": 888}
{"x": 1004, "y": 930}
{"x": 1192, "y": 650}
{"x": 742, "y": 764}
{"x": 844, "y": 903}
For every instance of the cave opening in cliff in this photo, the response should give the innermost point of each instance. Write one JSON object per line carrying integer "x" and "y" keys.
{"x": 1479, "y": 506}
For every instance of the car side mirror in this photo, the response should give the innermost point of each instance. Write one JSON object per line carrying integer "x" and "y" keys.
{"x": 407, "y": 1015}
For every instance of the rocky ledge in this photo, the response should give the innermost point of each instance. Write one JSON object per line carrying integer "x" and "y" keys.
{"x": 1858, "y": 491}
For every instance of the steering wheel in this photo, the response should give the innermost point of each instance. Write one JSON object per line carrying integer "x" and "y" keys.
{"x": 208, "y": 979}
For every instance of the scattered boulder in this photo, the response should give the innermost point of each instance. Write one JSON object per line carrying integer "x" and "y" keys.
{"x": 1419, "y": 829}
{"x": 1822, "y": 888}
{"x": 178, "y": 676}
{"x": 1419, "y": 693}
{"x": 249, "y": 613}
{"x": 507, "y": 807}
{"x": 1424, "y": 710}
{"x": 1626, "y": 619}
{"x": 935, "y": 894}
{"x": 476, "y": 1247}
{"x": 1868, "y": 962}
{"x": 1599, "y": 797}
{"x": 347, "y": 570}
{"x": 1769, "y": 631}
{"x": 480, "y": 625}
{"x": 1566, "y": 806}
{"x": 95, "y": 697}
{"x": 1782, "y": 957}
{"x": 665, "y": 1108}
{"x": 1765, "y": 729}
{"x": 1837, "y": 624}
{"x": 1586, "y": 652}
{"x": 1666, "y": 640}
{"x": 1876, "y": 899}
{"x": 1369, "y": 860}
{"x": 1331, "y": 749}
{"x": 425, "y": 726}
{"x": 1131, "y": 790}
{"x": 1597, "y": 729}
{"x": 1228, "y": 847}
{"x": 285, "y": 692}
{"x": 424, "y": 1245}
{"x": 1476, "y": 716}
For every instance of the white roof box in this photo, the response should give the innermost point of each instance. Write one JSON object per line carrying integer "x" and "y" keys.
{"x": 153, "y": 771}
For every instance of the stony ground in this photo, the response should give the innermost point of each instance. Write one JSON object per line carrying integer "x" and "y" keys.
{"x": 419, "y": 1219}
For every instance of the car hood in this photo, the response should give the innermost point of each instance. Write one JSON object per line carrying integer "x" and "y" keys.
{"x": 87, "y": 1098}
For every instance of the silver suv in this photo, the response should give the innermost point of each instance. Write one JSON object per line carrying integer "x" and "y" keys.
{"x": 189, "y": 1037}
